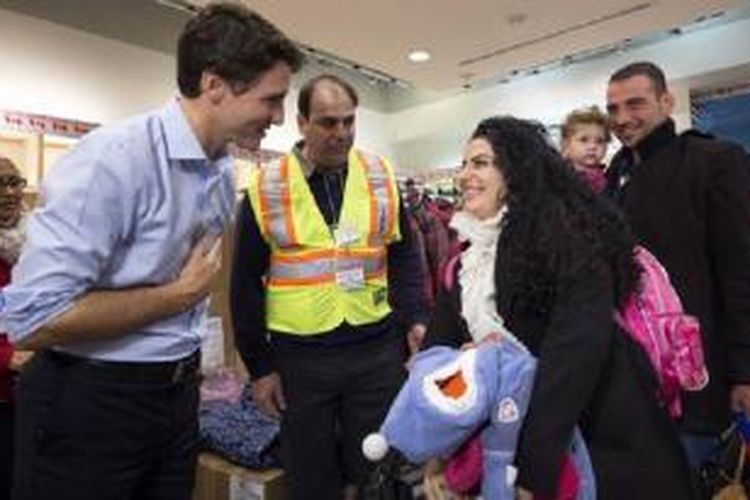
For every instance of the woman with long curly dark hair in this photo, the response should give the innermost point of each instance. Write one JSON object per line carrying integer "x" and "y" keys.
{"x": 548, "y": 260}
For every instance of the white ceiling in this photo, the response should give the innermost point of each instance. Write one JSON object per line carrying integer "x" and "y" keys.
{"x": 474, "y": 40}
{"x": 471, "y": 40}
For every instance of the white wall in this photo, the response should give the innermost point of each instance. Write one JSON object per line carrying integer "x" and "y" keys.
{"x": 432, "y": 135}
{"x": 372, "y": 128}
{"x": 53, "y": 70}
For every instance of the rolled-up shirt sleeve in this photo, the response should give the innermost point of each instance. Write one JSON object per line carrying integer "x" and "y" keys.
{"x": 70, "y": 237}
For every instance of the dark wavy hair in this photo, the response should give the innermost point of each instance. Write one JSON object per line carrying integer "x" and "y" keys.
{"x": 233, "y": 42}
{"x": 556, "y": 226}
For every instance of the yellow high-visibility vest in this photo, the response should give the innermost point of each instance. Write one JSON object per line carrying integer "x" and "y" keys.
{"x": 318, "y": 278}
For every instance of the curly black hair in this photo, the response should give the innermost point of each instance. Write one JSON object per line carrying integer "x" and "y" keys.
{"x": 556, "y": 225}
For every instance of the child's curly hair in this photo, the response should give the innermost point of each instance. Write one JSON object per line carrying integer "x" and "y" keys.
{"x": 591, "y": 115}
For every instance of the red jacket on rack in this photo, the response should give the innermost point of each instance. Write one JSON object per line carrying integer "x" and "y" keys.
{"x": 6, "y": 349}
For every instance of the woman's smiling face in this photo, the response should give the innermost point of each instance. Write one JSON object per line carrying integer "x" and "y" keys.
{"x": 480, "y": 180}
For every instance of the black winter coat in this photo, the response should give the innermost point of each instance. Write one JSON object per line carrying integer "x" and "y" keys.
{"x": 589, "y": 374}
{"x": 687, "y": 200}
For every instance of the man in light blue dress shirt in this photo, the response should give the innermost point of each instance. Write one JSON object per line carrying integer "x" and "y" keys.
{"x": 112, "y": 284}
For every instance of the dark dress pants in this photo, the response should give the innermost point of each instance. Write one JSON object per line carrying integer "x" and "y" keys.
{"x": 105, "y": 431}
{"x": 6, "y": 447}
{"x": 335, "y": 396}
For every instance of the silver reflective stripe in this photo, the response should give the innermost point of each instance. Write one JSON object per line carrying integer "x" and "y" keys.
{"x": 371, "y": 265}
{"x": 324, "y": 268}
{"x": 379, "y": 181}
{"x": 301, "y": 270}
{"x": 272, "y": 190}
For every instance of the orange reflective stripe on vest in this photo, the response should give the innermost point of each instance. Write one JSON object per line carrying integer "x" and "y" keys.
{"x": 382, "y": 197}
{"x": 275, "y": 203}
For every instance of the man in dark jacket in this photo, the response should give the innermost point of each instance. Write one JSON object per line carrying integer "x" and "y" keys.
{"x": 687, "y": 199}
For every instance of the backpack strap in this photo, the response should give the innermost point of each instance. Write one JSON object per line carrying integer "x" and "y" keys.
{"x": 450, "y": 265}
{"x": 449, "y": 272}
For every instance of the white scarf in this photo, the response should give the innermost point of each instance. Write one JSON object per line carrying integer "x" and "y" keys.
{"x": 477, "y": 273}
{"x": 12, "y": 240}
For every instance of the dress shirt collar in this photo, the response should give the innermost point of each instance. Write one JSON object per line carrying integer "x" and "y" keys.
{"x": 182, "y": 143}
{"x": 306, "y": 166}
{"x": 658, "y": 138}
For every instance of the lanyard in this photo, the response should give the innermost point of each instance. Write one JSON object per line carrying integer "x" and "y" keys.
{"x": 335, "y": 214}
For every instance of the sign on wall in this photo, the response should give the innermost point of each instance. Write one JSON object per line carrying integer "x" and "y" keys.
{"x": 41, "y": 124}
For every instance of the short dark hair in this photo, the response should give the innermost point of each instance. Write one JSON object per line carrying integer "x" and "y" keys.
{"x": 233, "y": 42}
{"x": 642, "y": 68}
{"x": 307, "y": 90}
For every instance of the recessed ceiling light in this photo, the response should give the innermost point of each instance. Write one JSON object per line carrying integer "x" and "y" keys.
{"x": 419, "y": 56}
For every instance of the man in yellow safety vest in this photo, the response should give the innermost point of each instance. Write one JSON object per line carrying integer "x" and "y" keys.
{"x": 324, "y": 273}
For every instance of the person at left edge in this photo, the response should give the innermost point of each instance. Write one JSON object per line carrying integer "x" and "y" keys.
{"x": 110, "y": 288}
{"x": 321, "y": 246}
{"x": 13, "y": 216}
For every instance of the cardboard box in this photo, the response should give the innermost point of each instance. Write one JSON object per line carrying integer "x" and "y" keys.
{"x": 219, "y": 303}
{"x": 218, "y": 479}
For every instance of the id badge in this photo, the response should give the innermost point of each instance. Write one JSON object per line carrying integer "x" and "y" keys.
{"x": 345, "y": 235}
{"x": 351, "y": 279}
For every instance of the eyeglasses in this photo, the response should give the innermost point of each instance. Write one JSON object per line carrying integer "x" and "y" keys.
{"x": 13, "y": 182}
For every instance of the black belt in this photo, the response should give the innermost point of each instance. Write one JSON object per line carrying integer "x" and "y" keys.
{"x": 177, "y": 371}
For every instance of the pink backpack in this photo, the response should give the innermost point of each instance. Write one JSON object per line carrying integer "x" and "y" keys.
{"x": 654, "y": 318}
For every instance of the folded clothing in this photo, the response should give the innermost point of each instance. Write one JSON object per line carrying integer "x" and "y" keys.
{"x": 240, "y": 432}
